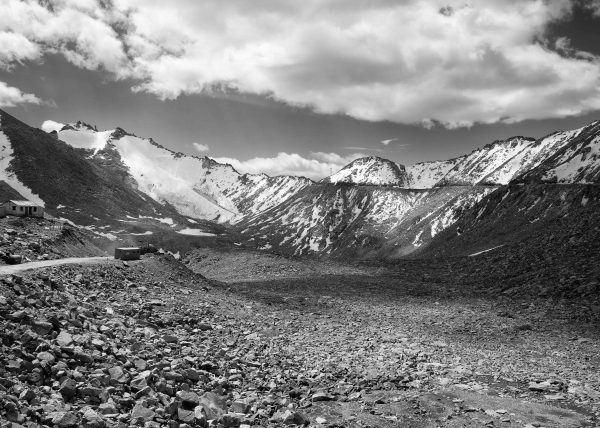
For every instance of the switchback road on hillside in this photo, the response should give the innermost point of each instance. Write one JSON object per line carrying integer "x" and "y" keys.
{"x": 10, "y": 269}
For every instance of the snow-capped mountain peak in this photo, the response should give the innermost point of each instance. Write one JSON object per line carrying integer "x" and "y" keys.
{"x": 371, "y": 170}
{"x": 195, "y": 187}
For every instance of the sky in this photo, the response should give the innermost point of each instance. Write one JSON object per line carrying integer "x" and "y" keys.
{"x": 289, "y": 87}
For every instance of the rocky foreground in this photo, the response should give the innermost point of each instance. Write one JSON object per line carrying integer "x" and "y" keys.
{"x": 150, "y": 343}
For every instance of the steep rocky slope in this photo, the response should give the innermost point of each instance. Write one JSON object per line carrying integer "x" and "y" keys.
{"x": 545, "y": 215}
{"x": 479, "y": 164}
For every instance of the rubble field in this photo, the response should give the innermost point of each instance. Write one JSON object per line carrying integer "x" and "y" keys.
{"x": 33, "y": 239}
{"x": 151, "y": 343}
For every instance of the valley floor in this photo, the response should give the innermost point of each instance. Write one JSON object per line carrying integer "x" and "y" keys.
{"x": 267, "y": 341}
{"x": 415, "y": 344}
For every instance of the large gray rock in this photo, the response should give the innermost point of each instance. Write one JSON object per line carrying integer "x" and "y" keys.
{"x": 214, "y": 405}
{"x": 141, "y": 413}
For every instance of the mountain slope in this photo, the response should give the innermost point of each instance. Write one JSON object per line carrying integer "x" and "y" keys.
{"x": 578, "y": 161}
{"x": 479, "y": 164}
{"x": 502, "y": 161}
{"x": 53, "y": 173}
{"x": 356, "y": 221}
{"x": 195, "y": 187}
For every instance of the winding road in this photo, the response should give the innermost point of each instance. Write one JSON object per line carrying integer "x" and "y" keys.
{"x": 10, "y": 269}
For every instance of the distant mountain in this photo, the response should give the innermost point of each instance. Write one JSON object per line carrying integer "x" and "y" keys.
{"x": 425, "y": 175}
{"x": 494, "y": 164}
{"x": 371, "y": 170}
{"x": 502, "y": 161}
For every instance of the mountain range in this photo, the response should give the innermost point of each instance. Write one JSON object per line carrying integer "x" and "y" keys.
{"x": 372, "y": 208}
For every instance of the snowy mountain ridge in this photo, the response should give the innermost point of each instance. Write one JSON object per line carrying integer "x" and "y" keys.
{"x": 494, "y": 164}
{"x": 96, "y": 178}
{"x": 372, "y": 170}
{"x": 196, "y": 187}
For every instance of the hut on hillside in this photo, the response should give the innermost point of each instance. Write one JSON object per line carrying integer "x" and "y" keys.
{"x": 21, "y": 208}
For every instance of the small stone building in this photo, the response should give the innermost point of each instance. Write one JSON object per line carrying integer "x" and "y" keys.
{"x": 130, "y": 253}
{"x": 21, "y": 208}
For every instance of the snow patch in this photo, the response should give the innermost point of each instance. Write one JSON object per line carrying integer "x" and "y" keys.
{"x": 194, "y": 232}
{"x": 6, "y": 156}
{"x": 584, "y": 201}
{"x": 485, "y": 251}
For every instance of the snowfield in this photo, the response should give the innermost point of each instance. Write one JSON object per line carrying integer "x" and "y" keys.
{"x": 195, "y": 232}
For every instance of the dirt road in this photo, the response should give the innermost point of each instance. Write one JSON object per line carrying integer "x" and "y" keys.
{"x": 7, "y": 270}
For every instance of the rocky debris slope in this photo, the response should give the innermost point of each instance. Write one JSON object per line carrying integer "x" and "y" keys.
{"x": 41, "y": 239}
{"x": 149, "y": 343}
{"x": 255, "y": 265}
{"x": 139, "y": 344}
{"x": 363, "y": 329}
{"x": 425, "y": 175}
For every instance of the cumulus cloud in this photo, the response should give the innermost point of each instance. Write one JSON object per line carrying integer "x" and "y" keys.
{"x": 11, "y": 96}
{"x": 318, "y": 166}
{"x": 446, "y": 62}
{"x": 594, "y": 7}
{"x": 201, "y": 147}
{"x": 50, "y": 125}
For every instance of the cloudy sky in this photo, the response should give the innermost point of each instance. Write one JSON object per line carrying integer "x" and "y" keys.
{"x": 286, "y": 86}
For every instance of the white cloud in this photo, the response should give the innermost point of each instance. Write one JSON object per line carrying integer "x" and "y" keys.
{"x": 319, "y": 166}
{"x": 594, "y": 7}
{"x": 201, "y": 147}
{"x": 451, "y": 62}
{"x": 11, "y": 96}
{"x": 387, "y": 142}
{"x": 50, "y": 125}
